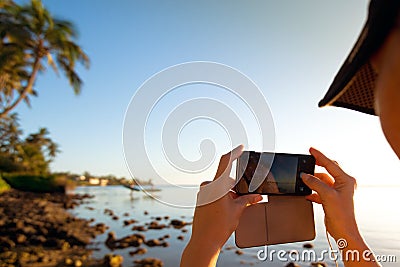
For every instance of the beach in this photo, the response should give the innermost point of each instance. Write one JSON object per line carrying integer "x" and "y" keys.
{"x": 141, "y": 231}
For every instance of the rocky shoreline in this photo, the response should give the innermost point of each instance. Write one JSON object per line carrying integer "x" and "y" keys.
{"x": 36, "y": 230}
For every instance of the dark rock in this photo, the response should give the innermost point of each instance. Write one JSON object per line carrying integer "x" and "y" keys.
{"x": 139, "y": 228}
{"x": 156, "y": 243}
{"x": 153, "y": 243}
{"x": 139, "y": 251}
{"x": 129, "y": 222}
{"x": 308, "y": 245}
{"x": 53, "y": 243}
{"x": 134, "y": 240}
{"x": 109, "y": 212}
{"x": 149, "y": 262}
{"x": 6, "y": 243}
{"x": 38, "y": 239}
{"x": 110, "y": 241}
{"x": 239, "y": 252}
{"x": 101, "y": 228}
{"x": 181, "y": 237}
{"x": 178, "y": 223}
{"x": 156, "y": 226}
{"x": 292, "y": 264}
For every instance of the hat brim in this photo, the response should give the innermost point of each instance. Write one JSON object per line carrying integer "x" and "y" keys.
{"x": 353, "y": 86}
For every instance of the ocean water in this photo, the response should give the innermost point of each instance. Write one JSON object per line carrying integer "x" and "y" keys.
{"x": 377, "y": 212}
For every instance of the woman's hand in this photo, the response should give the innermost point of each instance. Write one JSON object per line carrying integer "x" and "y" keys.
{"x": 216, "y": 215}
{"x": 335, "y": 192}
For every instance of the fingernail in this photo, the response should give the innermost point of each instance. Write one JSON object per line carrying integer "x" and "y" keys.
{"x": 258, "y": 198}
{"x": 303, "y": 176}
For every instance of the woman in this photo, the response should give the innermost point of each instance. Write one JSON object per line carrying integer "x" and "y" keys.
{"x": 369, "y": 82}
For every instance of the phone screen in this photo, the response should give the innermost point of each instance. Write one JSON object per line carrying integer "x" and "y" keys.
{"x": 283, "y": 174}
{"x": 267, "y": 174}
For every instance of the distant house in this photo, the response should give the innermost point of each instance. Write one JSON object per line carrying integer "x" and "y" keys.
{"x": 98, "y": 181}
{"x": 94, "y": 181}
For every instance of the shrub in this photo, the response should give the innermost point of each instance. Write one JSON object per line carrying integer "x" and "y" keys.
{"x": 3, "y": 186}
{"x": 35, "y": 183}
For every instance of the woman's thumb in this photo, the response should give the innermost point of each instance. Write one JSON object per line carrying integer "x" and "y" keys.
{"x": 315, "y": 184}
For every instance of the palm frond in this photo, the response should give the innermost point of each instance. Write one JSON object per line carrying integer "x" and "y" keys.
{"x": 72, "y": 76}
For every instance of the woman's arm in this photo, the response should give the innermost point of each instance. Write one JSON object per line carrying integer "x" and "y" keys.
{"x": 216, "y": 215}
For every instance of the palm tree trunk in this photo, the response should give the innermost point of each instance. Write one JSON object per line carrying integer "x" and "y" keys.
{"x": 28, "y": 88}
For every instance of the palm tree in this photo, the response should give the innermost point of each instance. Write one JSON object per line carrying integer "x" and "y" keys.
{"x": 29, "y": 36}
{"x": 10, "y": 133}
{"x": 46, "y": 145}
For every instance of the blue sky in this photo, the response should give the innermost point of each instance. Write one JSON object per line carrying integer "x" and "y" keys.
{"x": 290, "y": 49}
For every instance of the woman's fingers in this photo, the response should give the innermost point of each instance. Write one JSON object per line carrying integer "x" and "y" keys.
{"x": 316, "y": 184}
{"x": 331, "y": 166}
{"x": 225, "y": 164}
{"x": 314, "y": 197}
{"x": 326, "y": 178}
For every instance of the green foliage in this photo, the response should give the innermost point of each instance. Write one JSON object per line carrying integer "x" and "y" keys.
{"x": 35, "y": 183}
{"x": 3, "y": 185}
{"x": 31, "y": 39}
{"x": 7, "y": 164}
{"x": 30, "y": 155}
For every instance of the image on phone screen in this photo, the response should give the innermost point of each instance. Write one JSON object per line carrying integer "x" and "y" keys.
{"x": 266, "y": 173}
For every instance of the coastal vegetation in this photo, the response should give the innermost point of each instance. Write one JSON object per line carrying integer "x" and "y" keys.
{"x": 31, "y": 41}
{"x": 3, "y": 186}
{"x": 36, "y": 228}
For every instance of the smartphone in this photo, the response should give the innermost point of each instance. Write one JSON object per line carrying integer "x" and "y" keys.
{"x": 273, "y": 173}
